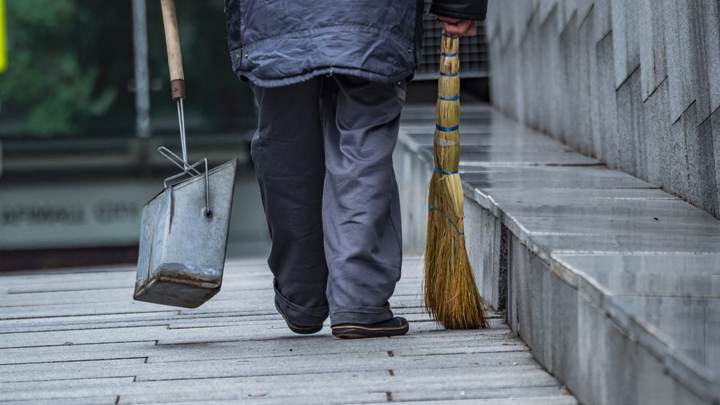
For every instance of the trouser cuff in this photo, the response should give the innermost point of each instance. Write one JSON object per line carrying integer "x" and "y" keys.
{"x": 365, "y": 315}
{"x": 297, "y": 314}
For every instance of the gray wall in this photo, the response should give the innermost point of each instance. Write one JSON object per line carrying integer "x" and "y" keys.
{"x": 635, "y": 83}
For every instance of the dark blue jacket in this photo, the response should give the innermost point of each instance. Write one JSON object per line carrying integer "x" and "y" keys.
{"x": 281, "y": 42}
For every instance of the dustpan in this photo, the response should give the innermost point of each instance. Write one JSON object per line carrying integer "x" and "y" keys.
{"x": 184, "y": 228}
{"x": 183, "y": 239}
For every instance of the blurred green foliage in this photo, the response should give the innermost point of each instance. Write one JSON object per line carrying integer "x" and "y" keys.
{"x": 70, "y": 69}
{"x": 46, "y": 77}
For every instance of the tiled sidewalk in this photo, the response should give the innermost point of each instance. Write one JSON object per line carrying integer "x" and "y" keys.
{"x": 77, "y": 337}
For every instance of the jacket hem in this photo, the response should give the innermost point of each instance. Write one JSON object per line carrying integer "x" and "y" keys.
{"x": 325, "y": 71}
{"x": 444, "y": 12}
{"x": 304, "y": 58}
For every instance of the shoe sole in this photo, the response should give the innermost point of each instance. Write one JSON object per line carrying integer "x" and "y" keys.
{"x": 363, "y": 332}
{"x": 302, "y": 330}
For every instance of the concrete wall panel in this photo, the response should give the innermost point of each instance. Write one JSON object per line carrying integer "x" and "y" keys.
{"x": 631, "y": 82}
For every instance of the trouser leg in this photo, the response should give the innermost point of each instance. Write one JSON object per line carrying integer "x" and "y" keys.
{"x": 361, "y": 207}
{"x": 287, "y": 152}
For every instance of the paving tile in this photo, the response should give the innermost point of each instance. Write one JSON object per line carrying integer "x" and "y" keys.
{"x": 70, "y": 369}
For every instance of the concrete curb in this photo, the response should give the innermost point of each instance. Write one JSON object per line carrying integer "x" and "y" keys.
{"x": 583, "y": 330}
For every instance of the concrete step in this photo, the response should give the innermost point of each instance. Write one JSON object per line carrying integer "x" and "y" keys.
{"x": 613, "y": 283}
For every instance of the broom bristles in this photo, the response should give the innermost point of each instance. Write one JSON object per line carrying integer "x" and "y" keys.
{"x": 451, "y": 295}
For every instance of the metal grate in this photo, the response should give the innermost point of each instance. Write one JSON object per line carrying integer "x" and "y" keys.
{"x": 474, "y": 61}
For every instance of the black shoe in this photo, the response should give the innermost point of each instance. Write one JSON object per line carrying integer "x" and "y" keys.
{"x": 393, "y": 327}
{"x": 300, "y": 329}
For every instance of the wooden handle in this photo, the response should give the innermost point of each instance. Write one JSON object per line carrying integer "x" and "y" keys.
{"x": 174, "y": 53}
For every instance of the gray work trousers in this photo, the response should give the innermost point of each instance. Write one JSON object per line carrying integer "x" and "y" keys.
{"x": 323, "y": 160}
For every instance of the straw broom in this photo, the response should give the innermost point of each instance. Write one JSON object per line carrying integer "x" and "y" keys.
{"x": 451, "y": 295}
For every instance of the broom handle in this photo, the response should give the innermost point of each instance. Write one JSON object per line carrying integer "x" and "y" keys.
{"x": 174, "y": 53}
{"x": 447, "y": 135}
{"x": 449, "y": 83}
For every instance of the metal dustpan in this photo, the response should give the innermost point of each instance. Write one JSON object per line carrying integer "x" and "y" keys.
{"x": 183, "y": 240}
{"x": 184, "y": 229}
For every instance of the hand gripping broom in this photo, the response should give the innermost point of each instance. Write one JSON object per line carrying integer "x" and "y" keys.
{"x": 451, "y": 295}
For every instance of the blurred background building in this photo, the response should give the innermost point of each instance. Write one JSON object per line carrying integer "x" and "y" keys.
{"x": 84, "y": 104}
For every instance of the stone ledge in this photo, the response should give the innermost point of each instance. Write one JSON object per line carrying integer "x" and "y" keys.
{"x": 613, "y": 283}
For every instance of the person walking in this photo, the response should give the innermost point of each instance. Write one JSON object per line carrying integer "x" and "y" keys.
{"x": 329, "y": 78}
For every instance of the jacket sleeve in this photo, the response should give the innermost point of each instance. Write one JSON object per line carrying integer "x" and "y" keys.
{"x": 464, "y": 9}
